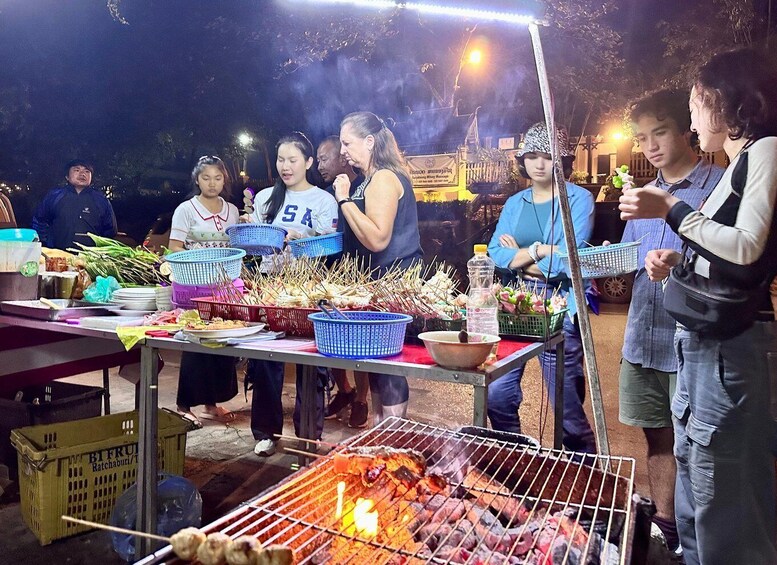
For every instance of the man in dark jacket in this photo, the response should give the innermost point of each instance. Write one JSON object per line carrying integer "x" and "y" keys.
{"x": 67, "y": 213}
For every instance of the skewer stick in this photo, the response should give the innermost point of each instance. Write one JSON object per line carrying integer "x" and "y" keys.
{"x": 114, "y": 529}
{"x": 316, "y": 441}
{"x": 303, "y": 453}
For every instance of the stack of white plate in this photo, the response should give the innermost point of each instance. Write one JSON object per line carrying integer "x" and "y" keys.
{"x": 139, "y": 300}
{"x": 164, "y": 298}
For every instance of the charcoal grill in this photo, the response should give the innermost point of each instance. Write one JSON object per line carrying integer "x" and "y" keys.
{"x": 575, "y": 508}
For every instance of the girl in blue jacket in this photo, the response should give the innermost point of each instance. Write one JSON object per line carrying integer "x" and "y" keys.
{"x": 527, "y": 239}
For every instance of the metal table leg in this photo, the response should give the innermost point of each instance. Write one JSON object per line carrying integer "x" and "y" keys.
{"x": 558, "y": 413}
{"x": 147, "y": 449}
{"x": 308, "y": 410}
{"x": 481, "y": 406}
{"x": 107, "y": 397}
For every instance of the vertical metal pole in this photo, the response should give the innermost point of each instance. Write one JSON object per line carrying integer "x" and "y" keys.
{"x": 558, "y": 395}
{"x": 308, "y": 409}
{"x": 480, "y": 394}
{"x": 147, "y": 449}
{"x": 600, "y": 426}
{"x": 107, "y": 387}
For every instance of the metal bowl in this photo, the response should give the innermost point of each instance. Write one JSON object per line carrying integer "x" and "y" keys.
{"x": 448, "y": 352}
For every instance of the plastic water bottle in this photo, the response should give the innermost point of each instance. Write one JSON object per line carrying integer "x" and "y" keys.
{"x": 482, "y": 305}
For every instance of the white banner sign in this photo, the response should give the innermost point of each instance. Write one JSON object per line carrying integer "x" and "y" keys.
{"x": 434, "y": 171}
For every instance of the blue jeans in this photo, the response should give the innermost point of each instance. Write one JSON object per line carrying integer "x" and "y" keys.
{"x": 266, "y": 405}
{"x": 724, "y": 493}
{"x": 505, "y": 395}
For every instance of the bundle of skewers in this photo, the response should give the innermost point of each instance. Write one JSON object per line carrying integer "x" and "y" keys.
{"x": 426, "y": 292}
{"x": 302, "y": 283}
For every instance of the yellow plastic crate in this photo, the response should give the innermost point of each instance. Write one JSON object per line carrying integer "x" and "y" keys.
{"x": 79, "y": 468}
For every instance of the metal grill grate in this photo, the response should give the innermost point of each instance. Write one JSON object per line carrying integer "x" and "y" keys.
{"x": 535, "y": 505}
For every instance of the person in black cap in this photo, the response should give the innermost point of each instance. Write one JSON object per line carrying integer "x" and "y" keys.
{"x": 67, "y": 213}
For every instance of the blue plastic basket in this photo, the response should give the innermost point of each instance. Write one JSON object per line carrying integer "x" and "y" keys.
{"x": 317, "y": 246}
{"x": 362, "y": 335}
{"x": 606, "y": 260}
{"x": 257, "y": 239}
{"x": 206, "y": 266}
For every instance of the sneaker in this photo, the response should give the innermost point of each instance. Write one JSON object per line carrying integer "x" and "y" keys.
{"x": 341, "y": 401}
{"x": 264, "y": 447}
{"x": 359, "y": 412}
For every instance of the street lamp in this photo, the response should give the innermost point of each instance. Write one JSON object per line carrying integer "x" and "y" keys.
{"x": 475, "y": 57}
{"x": 245, "y": 140}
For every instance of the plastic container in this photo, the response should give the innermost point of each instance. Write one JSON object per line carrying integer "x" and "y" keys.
{"x": 482, "y": 305}
{"x": 45, "y": 404}
{"x": 606, "y": 260}
{"x": 361, "y": 335}
{"x": 18, "y": 234}
{"x": 184, "y": 294}
{"x": 534, "y": 326}
{"x": 15, "y": 286}
{"x": 257, "y": 239}
{"x": 317, "y": 246}
{"x": 80, "y": 468}
{"x": 206, "y": 266}
{"x": 19, "y": 257}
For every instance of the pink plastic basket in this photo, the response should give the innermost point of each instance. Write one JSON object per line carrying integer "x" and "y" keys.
{"x": 183, "y": 294}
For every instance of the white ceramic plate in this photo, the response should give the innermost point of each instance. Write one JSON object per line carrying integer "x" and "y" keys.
{"x": 135, "y": 292}
{"x": 133, "y": 313}
{"x": 232, "y": 332}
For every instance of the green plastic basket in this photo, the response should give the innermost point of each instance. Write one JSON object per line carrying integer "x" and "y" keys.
{"x": 531, "y": 325}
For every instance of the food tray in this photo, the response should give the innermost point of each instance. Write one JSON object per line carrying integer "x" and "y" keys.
{"x": 606, "y": 260}
{"x": 535, "y": 326}
{"x": 79, "y": 468}
{"x": 317, "y": 246}
{"x": 362, "y": 335}
{"x": 70, "y": 309}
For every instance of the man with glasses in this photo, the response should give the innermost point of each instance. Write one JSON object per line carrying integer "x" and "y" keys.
{"x": 67, "y": 213}
{"x": 661, "y": 122}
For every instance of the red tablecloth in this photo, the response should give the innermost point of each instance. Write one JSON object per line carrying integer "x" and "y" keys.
{"x": 418, "y": 353}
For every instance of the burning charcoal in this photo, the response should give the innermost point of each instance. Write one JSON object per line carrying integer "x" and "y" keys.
{"x": 483, "y": 487}
{"x": 462, "y": 536}
{"x": 452, "y": 510}
{"x": 490, "y": 531}
{"x": 521, "y": 539}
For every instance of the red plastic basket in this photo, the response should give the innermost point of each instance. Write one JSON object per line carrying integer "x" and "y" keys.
{"x": 293, "y": 321}
{"x": 211, "y": 307}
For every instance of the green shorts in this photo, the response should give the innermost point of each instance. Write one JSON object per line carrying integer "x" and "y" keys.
{"x": 645, "y": 396}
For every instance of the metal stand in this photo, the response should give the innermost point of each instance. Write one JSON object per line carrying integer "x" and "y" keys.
{"x": 600, "y": 426}
{"x": 147, "y": 456}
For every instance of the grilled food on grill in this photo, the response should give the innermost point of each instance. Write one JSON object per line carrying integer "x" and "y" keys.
{"x": 244, "y": 550}
{"x": 211, "y": 551}
{"x": 406, "y": 467}
{"x": 275, "y": 555}
{"x": 186, "y": 542}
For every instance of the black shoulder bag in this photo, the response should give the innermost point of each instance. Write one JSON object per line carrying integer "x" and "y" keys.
{"x": 712, "y": 308}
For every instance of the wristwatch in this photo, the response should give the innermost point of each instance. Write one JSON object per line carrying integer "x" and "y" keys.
{"x": 533, "y": 251}
{"x": 344, "y": 201}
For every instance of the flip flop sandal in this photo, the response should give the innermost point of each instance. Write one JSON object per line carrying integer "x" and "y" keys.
{"x": 224, "y": 416}
{"x": 192, "y": 418}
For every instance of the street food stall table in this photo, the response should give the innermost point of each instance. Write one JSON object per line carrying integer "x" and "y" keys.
{"x": 413, "y": 362}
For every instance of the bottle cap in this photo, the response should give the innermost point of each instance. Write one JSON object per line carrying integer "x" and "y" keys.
{"x": 481, "y": 248}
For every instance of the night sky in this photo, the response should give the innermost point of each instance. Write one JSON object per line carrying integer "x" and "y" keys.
{"x": 185, "y": 77}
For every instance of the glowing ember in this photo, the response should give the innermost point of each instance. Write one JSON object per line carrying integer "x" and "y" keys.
{"x": 366, "y": 522}
{"x": 340, "y": 491}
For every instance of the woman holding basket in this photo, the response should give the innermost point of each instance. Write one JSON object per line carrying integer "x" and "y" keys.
{"x": 527, "y": 237}
{"x": 381, "y": 214}
{"x": 303, "y": 210}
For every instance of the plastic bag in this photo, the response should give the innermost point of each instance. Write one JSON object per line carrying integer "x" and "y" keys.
{"x": 179, "y": 505}
{"x": 102, "y": 289}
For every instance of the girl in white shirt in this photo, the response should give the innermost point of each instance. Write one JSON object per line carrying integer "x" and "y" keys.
{"x": 303, "y": 210}
{"x": 198, "y": 222}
